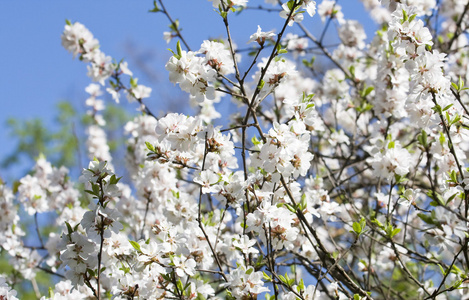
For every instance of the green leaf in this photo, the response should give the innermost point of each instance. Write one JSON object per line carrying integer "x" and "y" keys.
{"x": 437, "y": 108}
{"x": 452, "y": 198}
{"x": 135, "y": 245}
{"x": 179, "y": 285}
{"x": 95, "y": 189}
{"x": 362, "y": 223}
{"x": 357, "y": 228}
{"x": 447, "y": 107}
{"x": 261, "y": 84}
{"x": 69, "y": 228}
{"x": 91, "y": 272}
{"x": 395, "y": 231}
{"x": 426, "y": 218}
{"x": 455, "y": 86}
{"x": 150, "y": 146}
{"x": 91, "y": 193}
{"x": 51, "y": 292}
{"x": 155, "y": 7}
{"x": 289, "y": 207}
{"x": 15, "y": 187}
{"x": 460, "y": 83}
{"x": 368, "y": 91}
{"x": 442, "y": 138}
{"x": 255, "y": 141}
{"x": 266, "y": 277}
{"x": 178, "y": 48}
{"x": 114, "y": 179}
{"x": 174, "y": 54}
{"x": 352, "y": 71}
{"x": 133, "y": 82}
{"x": 423, "y": 139}
{"x": 378, "y": 223}
{"x": 405, "y": 16}
{"x": 301, "y": 286}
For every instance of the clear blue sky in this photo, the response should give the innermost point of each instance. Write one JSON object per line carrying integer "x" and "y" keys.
{"x": 36, "y": 72}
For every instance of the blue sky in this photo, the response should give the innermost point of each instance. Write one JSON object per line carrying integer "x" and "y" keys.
{"x": 36, "y": 72}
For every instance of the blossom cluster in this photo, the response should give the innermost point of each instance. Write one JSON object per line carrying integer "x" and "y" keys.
{"x": 341, "y": 173}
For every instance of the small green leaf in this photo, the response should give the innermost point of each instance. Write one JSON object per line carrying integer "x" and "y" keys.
{"x": 179, "y": 285}
{"x": 405, "y": 16}
{"x": 15, "y": 187}
{"x": 395, "y": 231}
{"x": 261, "y": 84}
{"x": 455, "y": 86}
{"x": 282, "y": 279}
{"x": 51, "y": 293}
{"x": 301, "y": 286}
{"x": 91, "y": 272}
{"x": 178, "y": 48}
{"x": 133, "y": 82}
{"x": 150, "y": 146}
{"x": 378, "y": 223}
{"x": 155, "y": 7}
{"x": 357, "y": 228}
{"x": 447, "y": 107}
{"x": 368, "y": 91}
{"x": 422, "y": 138}
{"x": 174, "y": 54}
{"x": 135, "y": 245}
{"x": 69, "y": 228}
{"x": 460, "y": 83}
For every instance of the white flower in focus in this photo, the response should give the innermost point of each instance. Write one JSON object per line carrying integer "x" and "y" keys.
{"x": 207, "y": 179}
{"x": 101, "y": 221}
{"x": 260, "y": 37}
{"x": 184, "y": 266}
{"x": 245, "y": 245}
{"x": 294, "y": 17}
{"x": 244, "y": 283}
{"x": 393, "y": 161}
{"x": 95, "y": 170}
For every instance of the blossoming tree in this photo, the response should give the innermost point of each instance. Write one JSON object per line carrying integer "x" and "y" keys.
{"x": 345, "y": 180}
